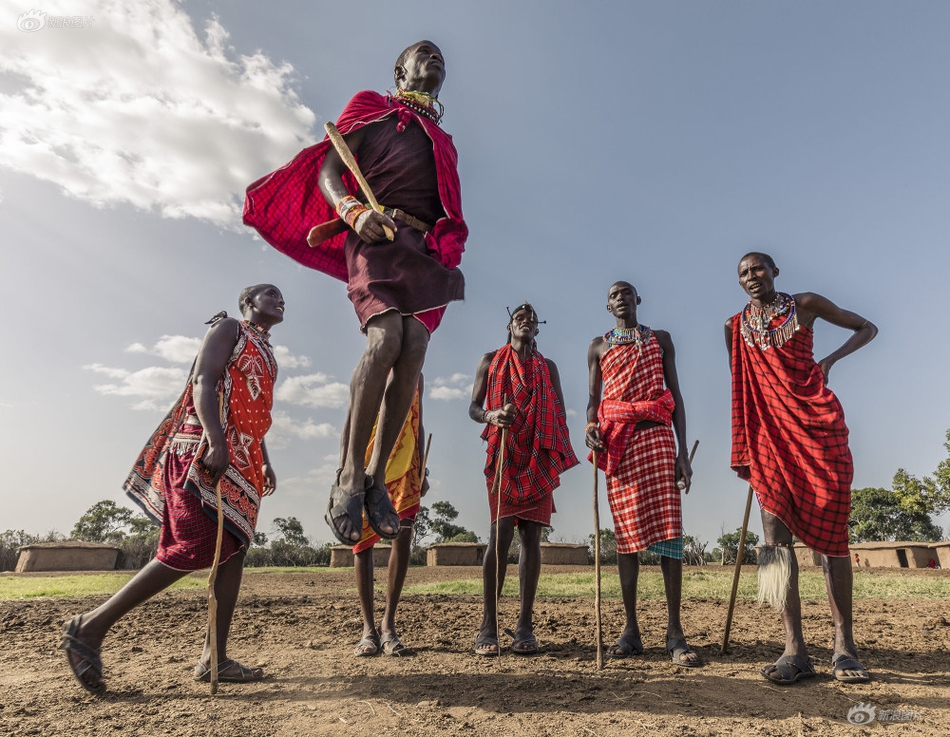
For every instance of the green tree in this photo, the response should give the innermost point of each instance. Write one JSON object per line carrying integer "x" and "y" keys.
{"x": 880, "y": 514}
{"x": 291, "y": 532}
{"x": 608, "y": 546}
{"x": 104, "y": 521}
{"x": 443, "y": 527}
{"x": 729, "y": 546}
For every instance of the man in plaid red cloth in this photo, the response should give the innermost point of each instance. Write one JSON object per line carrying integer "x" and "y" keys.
{"x": 790, "y": 442}
{"x": 634, "y": 410}
{"x": 517, "y": 395}
{"x": 399, "y": 280}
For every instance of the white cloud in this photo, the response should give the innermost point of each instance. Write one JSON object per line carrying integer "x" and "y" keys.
{"x": 316, "y": 480}
{"x": 287, "y": 360}
{"x": 457, "y": 386}
{"x": 140, "y": 109}
{"x": 155, "y": 385}
{"x": 313, "y": 390}
{"x": 284, "y": 427}
{"x": 173, "y": 348}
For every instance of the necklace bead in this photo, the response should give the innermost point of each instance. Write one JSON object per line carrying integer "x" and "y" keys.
{"x": 756, "y": 322}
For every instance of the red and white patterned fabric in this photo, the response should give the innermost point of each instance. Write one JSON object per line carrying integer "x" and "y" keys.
{"x": 172, "y": 458}
{"x": 640, "y": 465}
{"x": 790, "y": 440}
{"x": 538, "y": 447}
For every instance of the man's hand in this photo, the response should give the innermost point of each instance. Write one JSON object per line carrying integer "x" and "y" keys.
{"x": 502, "y": 417}
{"x": 684, "y": 473}
{"x": 369, "y": 226}
{"x": 270, "y": 480}
{"x": 215, "y": 460}
{"x": 594, "y": 440}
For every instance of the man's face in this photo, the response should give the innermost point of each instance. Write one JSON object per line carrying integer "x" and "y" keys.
{"x": 524, "y": 325}
{"x": 757, "y": 278}
{"x": 424, "y": 69}
{"x": 268, "y": 302}
{"x": 622, "y": 300}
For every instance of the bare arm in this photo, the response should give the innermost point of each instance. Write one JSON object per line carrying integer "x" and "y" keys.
{"x": 270, "y": 478}
{"x": 811, "y": 306}
{"x": 684, "y": 471}
{"x": 556, "y": 383}
{"x": 212, "y": 359}
{"x": 499, "y": 416}
{"x": 595, "y": 385}
{"x": 729, "y": 342}
{"x": 369, "y": 225}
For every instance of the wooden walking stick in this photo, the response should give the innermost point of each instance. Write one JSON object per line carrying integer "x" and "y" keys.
{"x": 341, "y": 148}
{"x": 425, "y": 457}
{"x": 735, "y": 576}
{"x": 212, "y": 577}
{"x": 681, "y": 484}
{"x": 496, "y": 488}
{"x": 598, "y": 631}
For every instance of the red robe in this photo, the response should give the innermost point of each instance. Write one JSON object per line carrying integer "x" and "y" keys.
{"x": 790, "y": 440}
{"x": 538, "y": 448}
{"x": 284, "y": 205}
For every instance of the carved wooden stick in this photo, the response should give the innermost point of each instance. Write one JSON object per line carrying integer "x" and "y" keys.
{"x": 735, "y": 575}
{"x": 341, "y": 148}
{"x": 598, "y": 631}
{"x": 212, "y": 577}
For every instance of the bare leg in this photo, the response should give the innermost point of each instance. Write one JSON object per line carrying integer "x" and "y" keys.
{"x": 529, "y": 571}
{"x": 384, "y": 339}
{"x": 673, "y": 583}
{"x": 505, "y": 529}
{"x": 363, "y": 567}
{"x": 839, "y": 582}
{"x": 399, "y": 393}
{"x": 227, "y": 586}
{"x": 398, "y": 565}
{"x": 628, "y": 566}
{"x": 775, "y": 531}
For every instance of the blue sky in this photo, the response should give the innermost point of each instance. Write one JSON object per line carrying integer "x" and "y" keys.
{"x": 654, "y": 142}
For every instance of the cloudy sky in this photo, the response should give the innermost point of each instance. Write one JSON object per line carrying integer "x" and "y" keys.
{"x": 654, "y": 142}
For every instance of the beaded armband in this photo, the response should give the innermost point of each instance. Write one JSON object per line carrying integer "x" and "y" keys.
{"x": 349, "y": 209}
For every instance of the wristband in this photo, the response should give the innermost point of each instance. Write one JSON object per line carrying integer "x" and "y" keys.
{"x": 589, "y": 426}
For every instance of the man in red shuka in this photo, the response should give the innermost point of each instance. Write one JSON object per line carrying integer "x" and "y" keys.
{"x": 790, "y": 442}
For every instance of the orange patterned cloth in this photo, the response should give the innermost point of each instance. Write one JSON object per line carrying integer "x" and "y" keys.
{"x": 640, "y": 464}
{"x": 247, "y": 386}
{"x": 404, "y": 474}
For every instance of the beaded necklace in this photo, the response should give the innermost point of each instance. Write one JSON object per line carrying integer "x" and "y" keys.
{"x": 422, "y": 103}
{"x": 756, "y": 322}
{"x": 258, "y": 329}
{"x": 637, "y": 335}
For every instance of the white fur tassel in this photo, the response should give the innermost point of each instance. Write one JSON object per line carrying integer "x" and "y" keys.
{"x": 775, "y": 574}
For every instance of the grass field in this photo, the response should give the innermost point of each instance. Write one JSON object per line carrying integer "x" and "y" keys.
{"x": 712, "y": 583}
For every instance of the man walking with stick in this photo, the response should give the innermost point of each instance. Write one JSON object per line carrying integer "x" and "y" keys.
{"x": 196, "y": 448}
{"x": 634, "y": 410}
{"x": 517, "y": 394}
{"x": 400, "y": 265}
{"x": 790, "y": 442}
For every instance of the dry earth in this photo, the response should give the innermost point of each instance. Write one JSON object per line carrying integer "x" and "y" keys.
{"x": 302, "y": 629}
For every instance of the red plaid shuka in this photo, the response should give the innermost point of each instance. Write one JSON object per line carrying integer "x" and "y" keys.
{"x": 790, "y": 440}
{"x": 640, "y": 465}
{"x": 286, "y": 204}
{"x": 169, "y": 468}
{"x": 538, "y": 448}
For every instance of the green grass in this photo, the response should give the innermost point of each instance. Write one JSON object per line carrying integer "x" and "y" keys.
{"x": 713, "y": 584}
{"x": 31, "y": 587}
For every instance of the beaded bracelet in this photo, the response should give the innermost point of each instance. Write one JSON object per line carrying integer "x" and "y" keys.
{"x": 349, "y": 209}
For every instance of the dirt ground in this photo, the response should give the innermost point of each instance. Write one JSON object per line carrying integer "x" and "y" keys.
{"x": 302, "y": 629}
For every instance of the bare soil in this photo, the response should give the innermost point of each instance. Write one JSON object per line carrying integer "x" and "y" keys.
{"x": 302, "y": 629}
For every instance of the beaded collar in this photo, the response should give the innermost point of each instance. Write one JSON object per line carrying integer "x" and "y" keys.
{"x": 756, "y": 322}
{"x": 422, "y": 103}
{"x": 257, "y": 329}
{"x": 637, "y": 335}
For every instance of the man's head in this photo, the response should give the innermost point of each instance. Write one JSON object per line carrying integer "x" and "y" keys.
{"x": 523, "y": 323}
{"x": 262, "y": 303}
{"x": 622, "y": 301}
{"x": 757, "y": 272}
{"x": 420, "y": 68}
